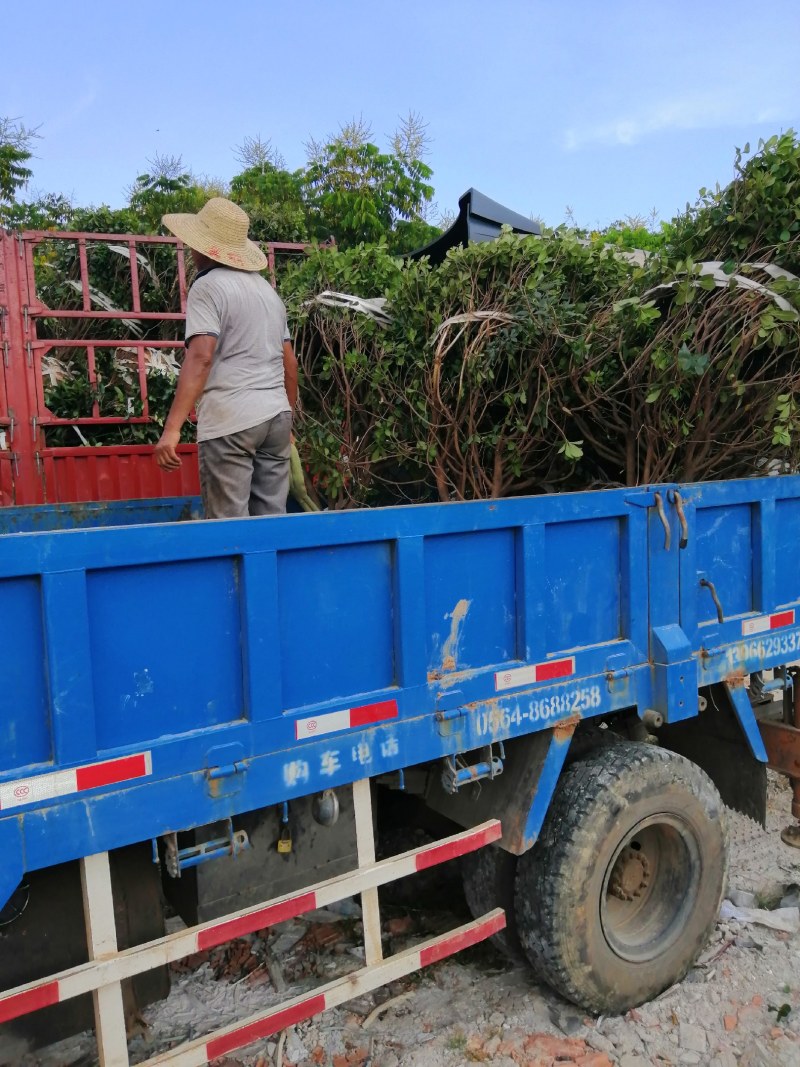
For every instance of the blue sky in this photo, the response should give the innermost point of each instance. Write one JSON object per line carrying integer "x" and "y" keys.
{"x": 609, "y": 108}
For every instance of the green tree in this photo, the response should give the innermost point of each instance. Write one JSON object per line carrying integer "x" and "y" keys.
{"x": 167, "y": 187}
{"x": 273, "y": 198}
{"x": 356, "y": 193}
{"x": 16, "y": 141}
{"x": 756, "y": 217}
{"x": 50, "y": 211}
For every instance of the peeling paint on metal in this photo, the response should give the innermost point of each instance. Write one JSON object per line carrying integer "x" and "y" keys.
{"x": 450, "y": 650}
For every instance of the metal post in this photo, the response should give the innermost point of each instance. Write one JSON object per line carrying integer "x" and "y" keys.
{"x": 790, "y": 835}
{"x": 19, "y": 379}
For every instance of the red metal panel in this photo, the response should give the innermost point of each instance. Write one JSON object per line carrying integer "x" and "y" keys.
{"x": 118, "y": 472}
{"x": 6, "y": 480}
{"x": 19, "y": 382}
{"x": 36, "y": 472}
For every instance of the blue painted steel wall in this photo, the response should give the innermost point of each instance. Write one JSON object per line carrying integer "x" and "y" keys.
{"x": 206, "y": 642}
{"x": 49, "y": 517}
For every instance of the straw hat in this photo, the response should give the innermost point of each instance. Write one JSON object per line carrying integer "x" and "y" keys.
{"x": 219, "y": 231}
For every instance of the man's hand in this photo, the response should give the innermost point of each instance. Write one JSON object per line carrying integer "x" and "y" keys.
{"x": 191, "y": 382}
{"x": 166, "y": 453}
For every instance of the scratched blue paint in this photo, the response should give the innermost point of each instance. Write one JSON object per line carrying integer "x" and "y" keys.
{"x": 335, "y": 611}
{"x": 24, "y": 715}
{"x": 191, "y": 639}
{"x": 166, "y": 653}
{"x": 94, "y": 514}
{"x": 744, "y": 713}
{"x": 725, "y": 555}
{"x": 545, "y": 787}
{"x": 582, "y": 564}
{"x": 786, "y": 542}
{"x": 470, "y": 599}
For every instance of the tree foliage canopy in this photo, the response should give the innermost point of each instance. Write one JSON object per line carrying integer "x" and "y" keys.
{"x": 521, "y": 365}
{"x": 16, "y": 141}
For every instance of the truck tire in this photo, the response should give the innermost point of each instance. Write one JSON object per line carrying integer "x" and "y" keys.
{"x": 488, "y": 877}
{"x": 623, "y": 888}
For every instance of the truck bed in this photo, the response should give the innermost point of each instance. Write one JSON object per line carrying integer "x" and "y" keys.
{"x": 165, "y": 675}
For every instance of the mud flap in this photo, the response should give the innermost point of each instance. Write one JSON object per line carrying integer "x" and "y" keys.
{"x": 724, "y": 741}
{"x": 747, "y": 720}
{"x": 519, "y": 797}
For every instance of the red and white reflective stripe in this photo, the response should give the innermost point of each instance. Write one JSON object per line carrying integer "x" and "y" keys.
{"x": 90, "y": 976}
{"x": 17, "y": 1004}
{"x": 76, "y": 780}
{"x": 333, "y": 721}
{"x": 549, "y": 671}
{"x": 767, "y": 622}
{"x": 264, "y": 1024}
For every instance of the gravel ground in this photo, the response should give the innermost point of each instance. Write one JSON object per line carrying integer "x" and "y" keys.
{"x": 739, "y": 1005}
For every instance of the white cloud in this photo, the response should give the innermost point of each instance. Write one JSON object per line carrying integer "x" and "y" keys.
{"x": 709, "y": 109}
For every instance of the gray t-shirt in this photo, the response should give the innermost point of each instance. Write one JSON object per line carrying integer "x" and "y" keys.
{"x": 245, "y": 386}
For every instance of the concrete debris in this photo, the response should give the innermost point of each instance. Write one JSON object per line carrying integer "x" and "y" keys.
{"x": 787, "y": 919}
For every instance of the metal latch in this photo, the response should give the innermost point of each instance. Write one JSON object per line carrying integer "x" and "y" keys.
{"x": 228, "y": 771}
{"x": 179, "y": 859}
{"x": 458, "y": 772}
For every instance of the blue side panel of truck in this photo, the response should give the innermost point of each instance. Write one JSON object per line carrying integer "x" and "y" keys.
{"x": 227, "y": 666}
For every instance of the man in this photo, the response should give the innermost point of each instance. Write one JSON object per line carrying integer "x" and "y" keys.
{"x": 239, "y": 370}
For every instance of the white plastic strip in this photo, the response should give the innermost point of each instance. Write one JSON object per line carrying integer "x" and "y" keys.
{"x": 331, "y": 722}
{"x": 548, "y": 671}
{"x": 62, "y": 783}
{"x": 766, "y": 623}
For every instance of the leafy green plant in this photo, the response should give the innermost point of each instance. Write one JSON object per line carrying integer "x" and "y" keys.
{"x": 16, "y": 142}
{"x": 356, "y": 193}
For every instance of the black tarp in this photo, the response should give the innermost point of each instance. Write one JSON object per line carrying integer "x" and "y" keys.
{"x": 479, "y": 219}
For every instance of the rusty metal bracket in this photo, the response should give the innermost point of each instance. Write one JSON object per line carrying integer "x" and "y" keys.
{"x": 709, "y": 585}
{"x": 664, "y": 521}
{"x": 782, "y": 743}
{"x": 677, "y": 500}
{"x": 457, "y": 772}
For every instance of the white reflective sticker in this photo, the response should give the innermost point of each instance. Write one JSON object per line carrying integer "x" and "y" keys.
{"x": 42, "y": 787}
{"x": 322, "y": 724}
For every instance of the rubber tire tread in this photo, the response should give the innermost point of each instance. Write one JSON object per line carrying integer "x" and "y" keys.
{"x": 488, "y": 876}
{"x": 549, "y": 876}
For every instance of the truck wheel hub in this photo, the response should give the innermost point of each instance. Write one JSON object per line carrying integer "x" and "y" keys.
{"x": 631, "y": 874}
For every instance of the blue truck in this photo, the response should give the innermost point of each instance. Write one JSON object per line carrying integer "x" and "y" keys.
{"x": 197, "y": 717}
{"x": 598, "y": 671}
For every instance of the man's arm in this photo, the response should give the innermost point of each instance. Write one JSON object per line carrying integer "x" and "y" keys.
{"x": 290, "y": 373}
{"x": 191, "y": 382}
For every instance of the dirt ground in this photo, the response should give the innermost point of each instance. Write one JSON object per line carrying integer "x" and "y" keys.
{"x": 739, "y": 1005}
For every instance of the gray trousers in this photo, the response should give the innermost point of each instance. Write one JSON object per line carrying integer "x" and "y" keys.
{"x": 247, "y": 473}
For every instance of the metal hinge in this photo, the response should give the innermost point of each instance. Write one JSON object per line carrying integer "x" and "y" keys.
{"x": 226, "y": 771}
